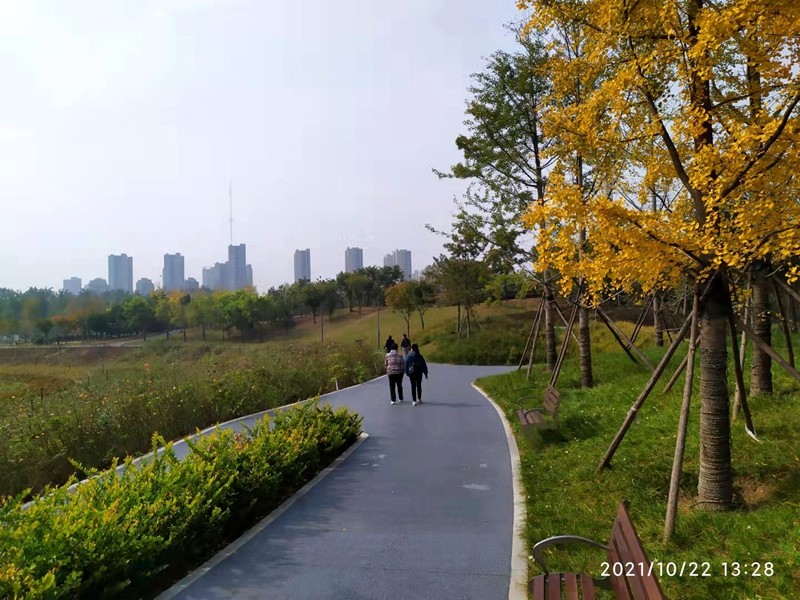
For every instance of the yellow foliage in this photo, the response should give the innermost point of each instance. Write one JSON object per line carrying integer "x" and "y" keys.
{"x": 694, "y": 104}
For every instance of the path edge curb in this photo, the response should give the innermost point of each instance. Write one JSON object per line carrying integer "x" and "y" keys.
{"x": 517, "y": 588}
{"x": 237, "y": 544}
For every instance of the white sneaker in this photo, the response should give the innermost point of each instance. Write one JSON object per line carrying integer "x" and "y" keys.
{"x": 392, "y": 402}
{"x": 414, "y": 403}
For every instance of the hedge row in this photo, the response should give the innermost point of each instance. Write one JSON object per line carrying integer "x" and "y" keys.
{"x": 117, "y": 534}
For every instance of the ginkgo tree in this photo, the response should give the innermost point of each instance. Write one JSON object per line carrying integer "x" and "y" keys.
{"x": 716, "y": 87}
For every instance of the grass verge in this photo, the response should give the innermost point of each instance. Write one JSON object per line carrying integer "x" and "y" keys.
{"x": 566, "y": 494}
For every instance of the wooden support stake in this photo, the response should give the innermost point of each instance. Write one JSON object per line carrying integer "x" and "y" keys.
{"x": 737, "y": 401}
{"x": 787, "y": 334}
{"x": 640, "y": 320}
{"x": 620, "y": 334}
{"x": 565, "y": 343}
{"x": 741, "y": 394}
{"x": 625, "y": 346}
{"x": 530, "y": 335}
{"x": 644, "y": 394}
{"x": 676, "y": 374}
{"x": 532, "y": 339}
{"x": 767, "y": 348}
{"x": 683, "y": 425}
{"x": 648, "y": 388}
{"x": 788, "y": 288}
{"x": 533, "y": 347}
{"x": 564, "y": 319}
{"x": 664, "y": 314}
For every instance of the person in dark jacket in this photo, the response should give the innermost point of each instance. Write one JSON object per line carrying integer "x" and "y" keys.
{"x": 405, "y": 344}
{"x": 388, "y": 345}
{"x": 416, "y": 367}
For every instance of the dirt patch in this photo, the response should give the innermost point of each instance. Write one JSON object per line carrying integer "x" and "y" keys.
{"x": 756, "y": 493}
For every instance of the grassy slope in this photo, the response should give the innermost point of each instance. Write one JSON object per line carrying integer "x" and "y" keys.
{"x": 566, "y": 494}
{"x": 348, "y": 327}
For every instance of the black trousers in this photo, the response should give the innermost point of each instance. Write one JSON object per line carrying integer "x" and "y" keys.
{"x": 396, "y": 379}
{"x": 416, "y": 386}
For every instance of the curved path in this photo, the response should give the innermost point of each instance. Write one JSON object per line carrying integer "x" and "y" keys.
{"x": 423, "y": 508}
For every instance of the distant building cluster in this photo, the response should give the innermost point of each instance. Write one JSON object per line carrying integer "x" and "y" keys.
{"x": 234, "y": 274}
{"x": 353, "y": 261}
{"x": 399, "y": 258}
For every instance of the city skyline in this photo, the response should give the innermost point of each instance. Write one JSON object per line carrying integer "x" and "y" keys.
{"x": 215, "y": 277}
{"x": 119, "y": 133}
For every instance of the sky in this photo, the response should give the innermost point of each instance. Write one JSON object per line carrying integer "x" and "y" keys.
{"x": 122, "y": 125}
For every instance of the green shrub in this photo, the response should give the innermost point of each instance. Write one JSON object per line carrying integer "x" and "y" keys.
{"x": 117, "y": 533}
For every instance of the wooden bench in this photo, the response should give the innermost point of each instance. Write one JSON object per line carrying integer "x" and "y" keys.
{"x": 629, "y": 572}
{"x": 536, "y": 416}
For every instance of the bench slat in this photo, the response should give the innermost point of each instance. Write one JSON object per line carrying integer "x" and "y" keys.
{"x": 646, "y": 586}
{"x": 587, "y": 587}
{"x": 554, "y": 586}
{"x": 571, "y": 586}
{"x": 618, "y": 585}
{"x": 537, "y": 586}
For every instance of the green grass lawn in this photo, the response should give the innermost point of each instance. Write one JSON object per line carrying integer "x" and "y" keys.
{"x": 566, "y": 494}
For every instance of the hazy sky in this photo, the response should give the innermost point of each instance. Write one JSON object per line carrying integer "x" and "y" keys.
{"x": 121, "y": 123}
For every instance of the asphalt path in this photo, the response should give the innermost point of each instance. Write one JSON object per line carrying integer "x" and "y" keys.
{"x": 422, "y": 509}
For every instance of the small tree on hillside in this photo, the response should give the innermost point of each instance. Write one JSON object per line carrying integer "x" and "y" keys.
{"x": 400, "y": 297}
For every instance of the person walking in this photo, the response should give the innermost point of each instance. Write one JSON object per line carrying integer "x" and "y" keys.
{"x": 395, "y": 367}
{"x": 416, "y": 367}
{"x": 388, "y": 345}
{"x": 405, "y": 345}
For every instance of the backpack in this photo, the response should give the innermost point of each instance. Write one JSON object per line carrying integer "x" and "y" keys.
{"x": 411, "y": 364}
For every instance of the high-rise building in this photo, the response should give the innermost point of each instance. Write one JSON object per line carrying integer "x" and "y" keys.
{"x": 98, "y": 285}
{"x": 145, "y": 286}
{"x": 302, "y": 265}
{"x": 73, "y": 285}
{"x": 172, "y": 276}
{"x": 249, "y": 276}
{"x": 237, "y": 267}
{"x": 215, "y": 278}
{"x": 399, "y": 258}
{"x": 353, "y": 260}
{"x": 403, "y": 260}
{"x": 120, "y": 272}
{"x": 191, "y": 285}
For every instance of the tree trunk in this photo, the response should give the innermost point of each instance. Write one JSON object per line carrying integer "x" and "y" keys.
{"x": 550, "y": 329}
{"x": 584, "y": 342}
{"x": 761, "y": 365}
{"x": 715, "y": 485}
{"x": 658, "y": 323}
{"x": 458, "y": 324}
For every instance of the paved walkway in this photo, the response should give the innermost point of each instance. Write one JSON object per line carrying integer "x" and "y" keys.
{"x": 423, "y": 509}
